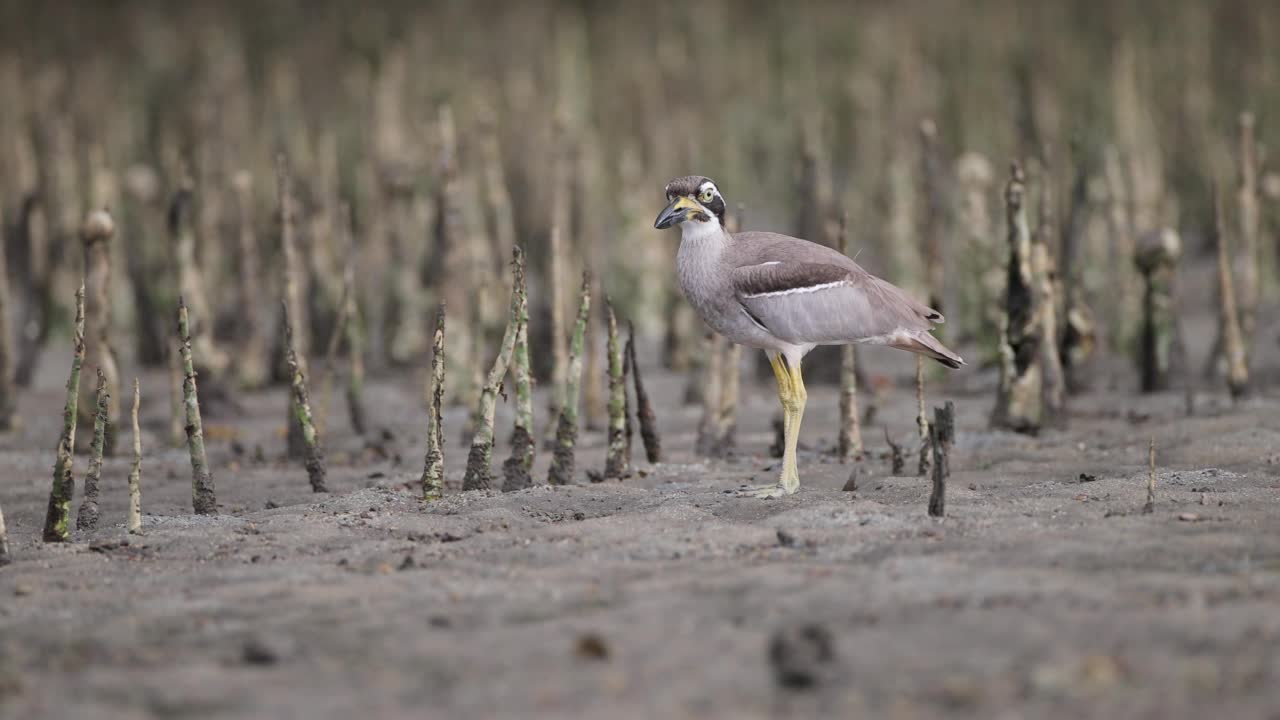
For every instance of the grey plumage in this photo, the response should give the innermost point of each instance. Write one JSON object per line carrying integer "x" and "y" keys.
{"x": 786, "y": 296}
{"x": 782, "y": 293}
{"x": 818, "y": 296}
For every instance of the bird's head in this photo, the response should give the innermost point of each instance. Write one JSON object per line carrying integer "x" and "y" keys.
{"x": 692, "y": 199}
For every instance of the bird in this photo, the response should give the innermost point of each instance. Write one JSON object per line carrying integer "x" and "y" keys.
{"x": 786, "y": 296}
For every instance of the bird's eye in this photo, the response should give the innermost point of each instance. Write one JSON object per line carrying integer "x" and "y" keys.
{"x": 707, "y": 195}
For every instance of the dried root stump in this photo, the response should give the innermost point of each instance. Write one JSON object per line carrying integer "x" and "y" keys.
{"x": 344, "y": 311}
{"x": 96, "y": 234}
{"x": 203, "y": 499}
{"x": 355, "y": 375}
{"x": 1157, "y": 260}
{"x": 1018, "y": 399}
{"x": 559, "y": 348}
{"x": 517, "y": 468}
{"x": 898, "y": 461}
{"x": 87, "y": 516}
{"x": 561, "y": 472}
{"x": 294, "y": 304}
{"x": 252, "y": 356}
{"x": 730, "y": 384}
{"x": 1233, "y": 344}
{"x": 618, "y": 459}
{"x": 849, "y": 440}
{"x": 313, "y": 449}
{"x": 64, "y": 482}
{"x": 644, "y": 410}
{"x": 942, "y": 435}
{"x": 479, "y": 473}
{"x": 134, "y": 523}
{"x": 212, "y": 358}
{"x": 709, "y": 380}
{"x": 433, "y": 464}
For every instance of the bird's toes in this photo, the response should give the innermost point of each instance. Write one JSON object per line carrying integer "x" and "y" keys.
{"x": 763, "y": 492}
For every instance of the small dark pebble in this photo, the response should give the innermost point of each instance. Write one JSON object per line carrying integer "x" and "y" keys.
{"x": 447, "y": 537}
{"x": 408, "y": 563}
{"x": 786, "y": 539}
{"x": 265, "y": 651}
{"x": 237, "y": 448}
{"x": 376, "y": 475}
{"x": 439, "y": 621}
{"x": 590, "y": 646}
{"x": 579, "y": 515}
{"x": 1086, "y": 477}
{"x": 271, "y": 505}
{"x": 851, "y": 485}
{"x": 801, "y": 655}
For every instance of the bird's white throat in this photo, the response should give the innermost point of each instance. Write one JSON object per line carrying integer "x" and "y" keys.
{"x": 706, "y": 235}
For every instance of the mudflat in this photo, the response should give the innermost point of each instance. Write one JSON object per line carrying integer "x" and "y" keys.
{"x": 1044, "y": 592}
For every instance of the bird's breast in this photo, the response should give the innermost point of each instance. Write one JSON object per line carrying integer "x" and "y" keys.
{"x": 704, "y": 279}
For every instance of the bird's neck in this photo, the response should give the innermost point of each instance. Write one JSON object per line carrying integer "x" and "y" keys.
{"x": 699, "y": 262}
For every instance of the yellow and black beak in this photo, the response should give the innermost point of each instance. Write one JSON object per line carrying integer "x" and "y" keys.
{"x": 677, "y": 212}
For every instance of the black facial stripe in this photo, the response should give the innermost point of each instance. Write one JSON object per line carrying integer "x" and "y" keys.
{"x": 717, "y": 206}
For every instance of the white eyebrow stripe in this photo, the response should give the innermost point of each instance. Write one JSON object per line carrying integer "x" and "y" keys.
{"x": 772, "y": 262}
{"x": 797, "y": 290}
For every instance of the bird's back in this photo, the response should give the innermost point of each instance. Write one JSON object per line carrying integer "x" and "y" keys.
{"x": 809, "y": 294}
{"x": 756, "y": 247}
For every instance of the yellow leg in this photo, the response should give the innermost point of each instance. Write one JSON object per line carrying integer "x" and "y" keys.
{"x": 792, "y": 395}
{"x": 798, "y": 397}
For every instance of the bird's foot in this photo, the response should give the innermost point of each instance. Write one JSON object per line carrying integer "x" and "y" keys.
{"x": 765, "y": 492}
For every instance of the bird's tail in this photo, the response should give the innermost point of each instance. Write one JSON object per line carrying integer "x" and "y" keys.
{"x": 923, "y": 343}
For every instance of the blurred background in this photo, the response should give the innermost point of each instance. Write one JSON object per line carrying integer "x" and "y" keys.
{"x": 454, "y": 129}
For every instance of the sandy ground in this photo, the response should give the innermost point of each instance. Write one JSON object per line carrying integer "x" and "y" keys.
{"x": 1039, "y": 595}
